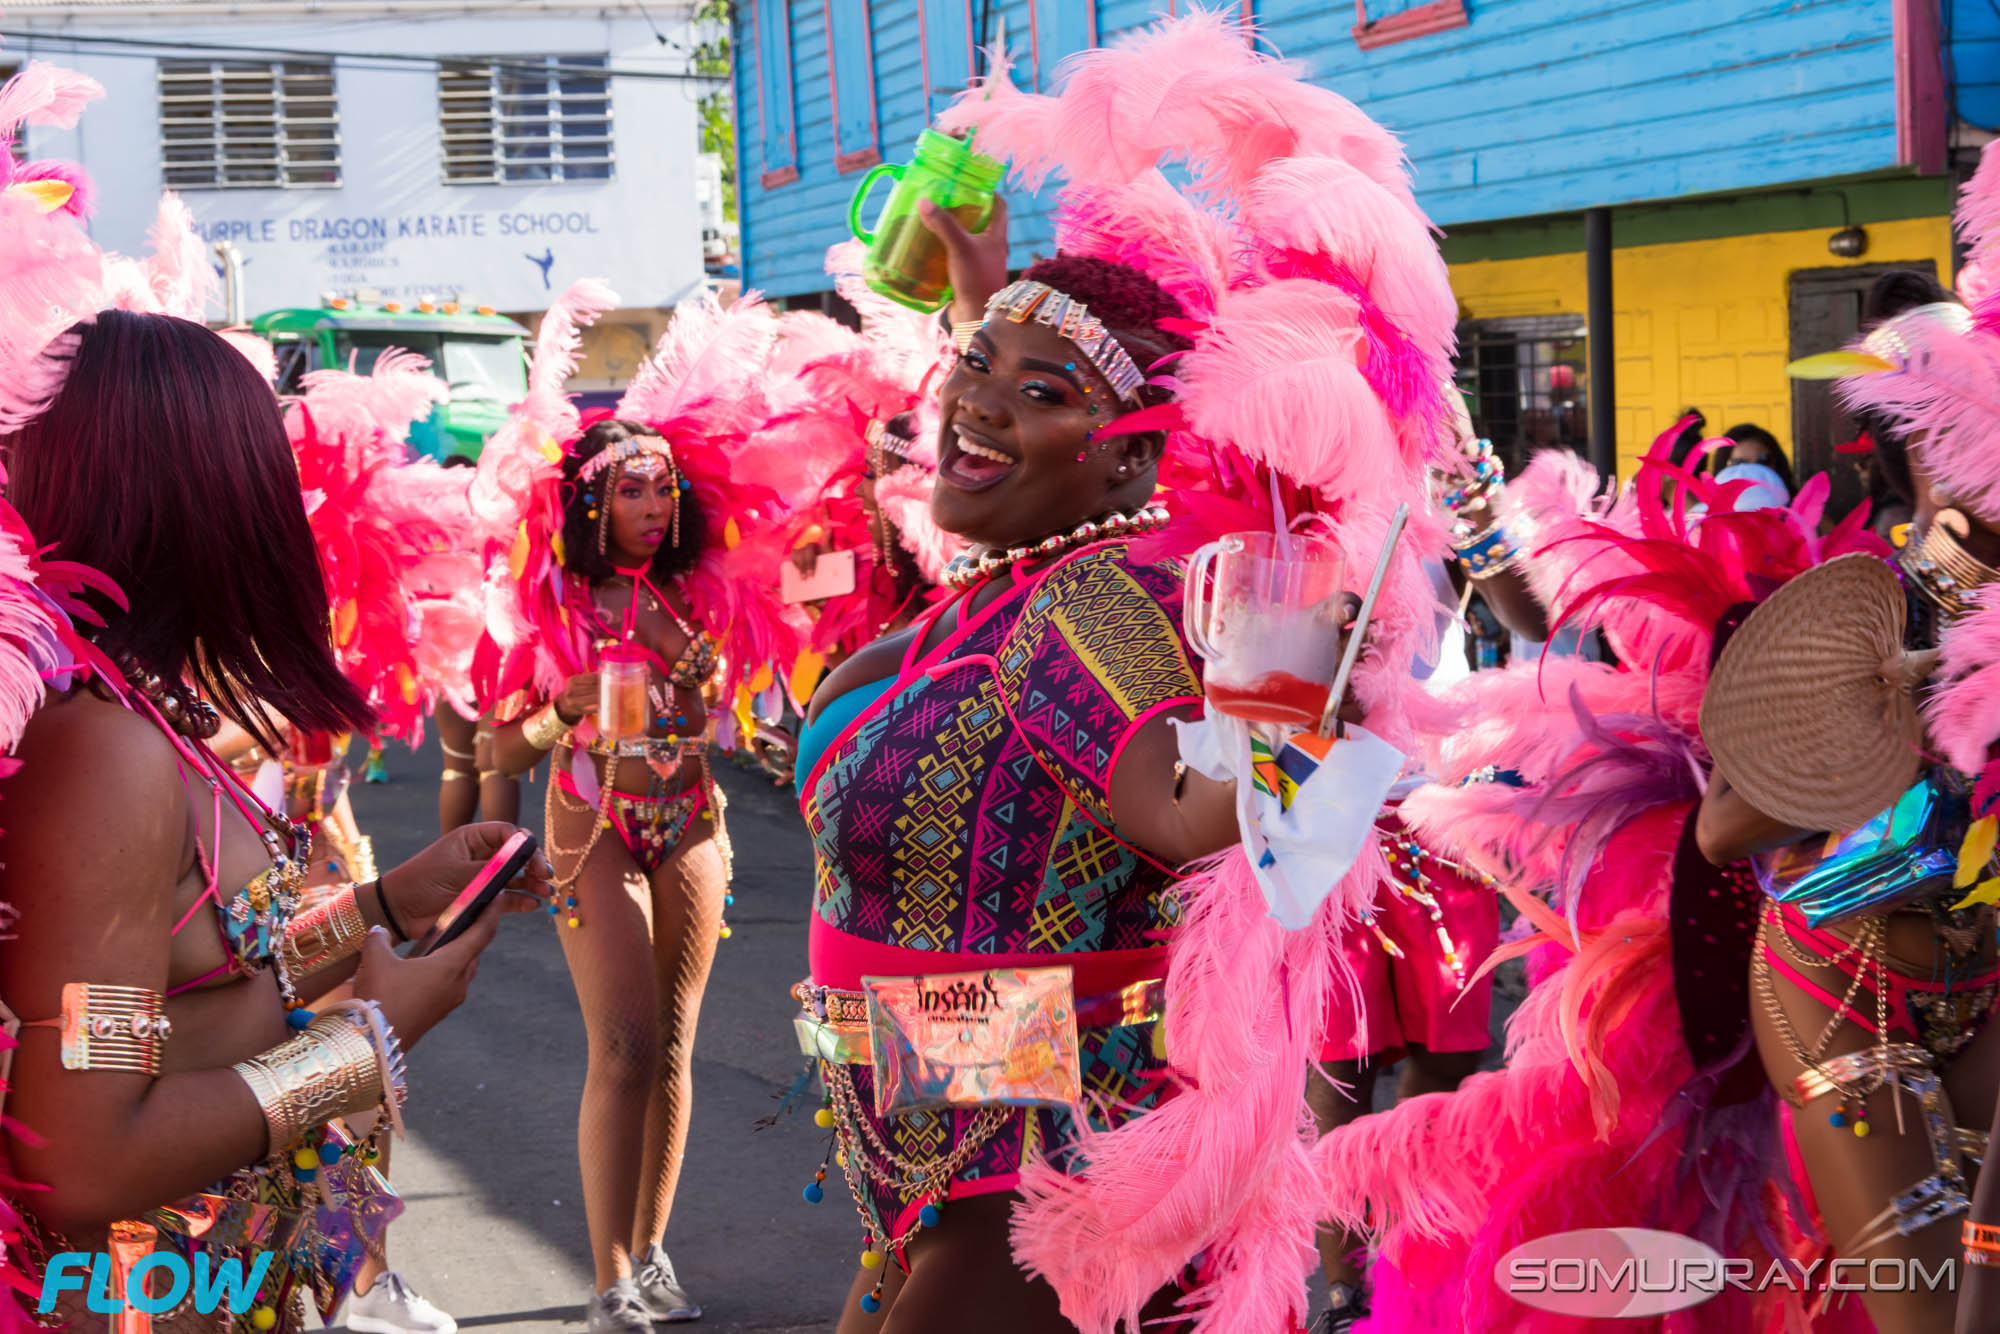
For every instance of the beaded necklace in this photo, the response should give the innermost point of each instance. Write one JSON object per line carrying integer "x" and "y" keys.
{"x": 965, "y": 571}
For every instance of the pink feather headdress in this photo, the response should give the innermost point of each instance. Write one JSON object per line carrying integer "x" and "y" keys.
{"x": 702, "y": 390}
{"x": 1322, "y": 324}
{"x": 832, "y": 391}
{"x": 51, "y": 273}
{"x": 395, "y": 535}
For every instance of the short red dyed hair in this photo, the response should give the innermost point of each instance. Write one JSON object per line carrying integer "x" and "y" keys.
{"x": 163, "y": 462}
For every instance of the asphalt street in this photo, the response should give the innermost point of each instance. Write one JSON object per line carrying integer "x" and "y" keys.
{"x": 494, "y": 1229}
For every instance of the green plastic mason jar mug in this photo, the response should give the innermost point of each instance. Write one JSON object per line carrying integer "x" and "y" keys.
{"x": 906, "y": 262}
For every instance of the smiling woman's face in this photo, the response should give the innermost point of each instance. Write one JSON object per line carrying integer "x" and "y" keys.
{"x": 1014, "y": 461}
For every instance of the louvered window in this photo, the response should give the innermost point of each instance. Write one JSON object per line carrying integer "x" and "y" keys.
{"x": 525, "y": 118}
{"x": 19, "y": 148}
{"x": 248, "y": 123}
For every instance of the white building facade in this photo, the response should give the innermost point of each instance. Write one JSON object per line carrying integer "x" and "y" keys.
{"x": 484, "y": 151}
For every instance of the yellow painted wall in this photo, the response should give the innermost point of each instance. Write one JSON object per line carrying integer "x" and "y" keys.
{"x": 1699, "y": 323}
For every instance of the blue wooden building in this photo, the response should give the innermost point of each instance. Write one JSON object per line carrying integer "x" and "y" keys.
{"x": 1716, "y": 146}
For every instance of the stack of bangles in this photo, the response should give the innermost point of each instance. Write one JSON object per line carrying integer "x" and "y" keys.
{"x": 342, "y": 1061}
{"x": 1484, "y": 552}
{"x": 1982, "y": 1244}
{"x": 544, "y": 729}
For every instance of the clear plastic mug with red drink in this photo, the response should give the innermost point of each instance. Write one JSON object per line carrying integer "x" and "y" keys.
{"x": 1265, "y": 612}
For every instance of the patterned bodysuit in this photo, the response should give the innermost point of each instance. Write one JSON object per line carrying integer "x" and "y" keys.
{"x": 963, "y": 821}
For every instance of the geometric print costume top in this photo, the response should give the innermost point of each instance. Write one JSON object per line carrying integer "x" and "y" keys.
{"x": 966, "y": 811}
{"x": 962, "y": 820}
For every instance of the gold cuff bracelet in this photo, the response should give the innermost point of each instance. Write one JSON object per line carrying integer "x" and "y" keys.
{"x": 330, "y": 930}
{"x": 544, "y": 728}
{"x": 329, "y": 1070}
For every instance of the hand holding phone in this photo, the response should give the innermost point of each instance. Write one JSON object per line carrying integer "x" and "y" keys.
{"x": 487, "y": 886}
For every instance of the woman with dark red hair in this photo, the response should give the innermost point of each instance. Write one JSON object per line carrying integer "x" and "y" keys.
{"x": 183, "y": 1094}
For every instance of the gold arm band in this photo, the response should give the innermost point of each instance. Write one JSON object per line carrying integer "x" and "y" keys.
{"x": 452, "y": 775}
{"x": 544, "y": 728}
{"x": 962, "y": 331}
{"x": 329, "y": 1070}
{"x": 330, "y": 930}
{"x": 119, "y": 1029}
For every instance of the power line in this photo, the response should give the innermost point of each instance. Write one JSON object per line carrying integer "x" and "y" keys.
{"x": 359, "y": 59}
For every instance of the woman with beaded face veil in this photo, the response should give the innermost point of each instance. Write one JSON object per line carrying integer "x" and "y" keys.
{"x": 633, "y": 563}
{"x": 642, "y": 860}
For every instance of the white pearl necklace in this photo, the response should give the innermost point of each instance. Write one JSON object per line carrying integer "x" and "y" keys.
{"x": 965, "y": 571}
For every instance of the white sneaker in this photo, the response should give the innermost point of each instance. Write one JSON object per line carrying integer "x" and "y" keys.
{"x": 666, "y": 1300}
{"x": 618, "y": 1310}
{"x": 392, "y": 1306}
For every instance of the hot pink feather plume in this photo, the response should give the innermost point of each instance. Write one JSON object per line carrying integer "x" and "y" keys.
{"x": 1963, "y": 710}
{"x": 391, "y": 529}
{"x": 705, "y": 389}
{"x": 529, "y": 642}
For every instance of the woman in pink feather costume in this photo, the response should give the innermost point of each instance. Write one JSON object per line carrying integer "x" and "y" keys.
{"x": 641, "y": 543}
{"x": 1296, "y": 331}
{"x": 89, "y": 363}
{"x": 1922, "y": 382}
{"x": 1629, "y": 1097}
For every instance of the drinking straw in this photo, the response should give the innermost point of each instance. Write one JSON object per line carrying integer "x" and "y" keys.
{"x": 1360, "y": 628}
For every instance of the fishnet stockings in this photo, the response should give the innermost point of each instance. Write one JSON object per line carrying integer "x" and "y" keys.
{"x": 640, "y": 1004}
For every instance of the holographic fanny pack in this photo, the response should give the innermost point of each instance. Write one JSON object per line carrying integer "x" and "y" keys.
{"x": 1002, "y": 1037}
{"x": 1908, "y": 852}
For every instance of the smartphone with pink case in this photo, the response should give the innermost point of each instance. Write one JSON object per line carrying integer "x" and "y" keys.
{"x": 833, "y": 577}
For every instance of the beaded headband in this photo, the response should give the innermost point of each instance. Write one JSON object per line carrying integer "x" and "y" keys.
{"x": 1072, "y": 319}
{"x": 642, "y": 456}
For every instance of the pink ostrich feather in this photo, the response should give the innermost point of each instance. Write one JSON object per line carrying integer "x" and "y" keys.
{"x": 1944, "y": 395}
{"x": 514, "y": 502}
{"x": 908, "y": 346}
{"x": 1978, "y": 219}
{"x": 383, "y": 520}
{"x": 262, "y": 357}
{"x": 51, "y": 276}
{"x": 1191, "y": 89}
{"x": 1221, "y": 1165}
{"x": 706, "y": 389}
{"x": 1963, "y": 711}
{"x": 708, "y": 359}
{"x": 45, "y": 94}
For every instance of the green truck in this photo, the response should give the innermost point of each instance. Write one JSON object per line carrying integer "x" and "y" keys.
{"x": 482, "y": 356}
